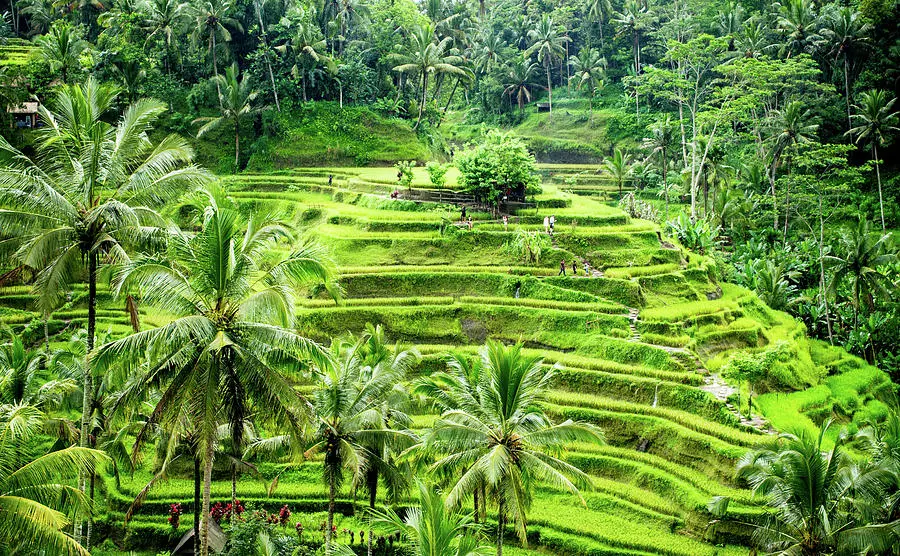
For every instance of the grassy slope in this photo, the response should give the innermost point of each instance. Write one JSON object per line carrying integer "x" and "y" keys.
{"x": 672, "y": 445}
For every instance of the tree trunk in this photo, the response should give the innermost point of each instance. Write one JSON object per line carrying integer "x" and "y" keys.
{"x": 196, "y": 504}
{"x": 87, "y": 402}
{"x": 424, "y": 97}
{"x": 501, "y": 523}
{"x": 475, "y": 503}
{"x": 233, "y": 493}
{"x": 847, "y": 96}
{"x": 449, "y": 100}
{"x": 237, "y": 147}
{"x": 878, "y": 175}
{"x": 823, "y": 292}
{"x": 665, "y": 163}
{"x": 549, "y": 90}
{"x": 207, "y": 484}
{"x": 212, "y": 51}
{"x": 332, "y": 494}
{"x": 787, "y": 203}
{"x": 373, "y": 493}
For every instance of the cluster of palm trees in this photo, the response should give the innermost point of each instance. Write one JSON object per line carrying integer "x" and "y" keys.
{"x": 228, "y": 357}
{"x": 822, "y": 499}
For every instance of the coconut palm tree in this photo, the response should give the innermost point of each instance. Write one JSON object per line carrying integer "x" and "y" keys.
{"x": 598, "y": 12}
{"x": 62, "y": 48}
{"x": 229, "y": 348}
{"x": 350, "y": 12}
{"x": 792, "y": 126}
{"x": 377, "y": 357}
{"x": 799, "y": 24}
{"x": 434, "y": 530}
{"x": 212, "y": 22}
{"x": 306, "y": 49}
{"x": 349, "y": 410}
{"x": 37, "y": 497}
{"x": 632, "y": 20}
{"x": 589, "y": 71}
{"x": 237, "y": 101}
{"x": 660, "y": 143}
{"x": 82, "y": 199}
{"x": 618, "y": 167}
{"x": 818, "y": 497}
{"x": 875, "y": 118}
{"x": 519, "y": 78}
{"x": 847, "y": 34}
{"x": 548, "y": 41}
{"x": 427, "y": 56}
{"x": 860, "y": 258}
{"x": 259, "y": 8}
{"x": 166, "y": 20}
{"x": 497, "y": 436}
{"x": 24, "y": 380}
{"x": 752, "y": 42}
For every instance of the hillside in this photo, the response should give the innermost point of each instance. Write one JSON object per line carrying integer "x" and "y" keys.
{"x": 640, "y": 342}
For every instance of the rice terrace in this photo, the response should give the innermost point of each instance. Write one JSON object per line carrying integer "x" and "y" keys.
{"x": 449, "y": 278}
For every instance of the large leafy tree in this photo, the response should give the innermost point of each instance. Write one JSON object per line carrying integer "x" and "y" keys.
{"x": 548, "y": 42}
{"x": 497, "y": 436}
{"x": 83, "y": 197}
{"x": 230, "y": 347}
{"x": 36, "y": 497}
{"x": 349, "y": 412}
{"x": 237, "y": 101}
{"x": 875, "y": 119}
{"x": 426, "y": 56}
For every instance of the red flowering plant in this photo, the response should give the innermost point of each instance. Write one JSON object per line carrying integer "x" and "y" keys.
{"x": 284, "y": 515}
{"x": 175, "y": 512}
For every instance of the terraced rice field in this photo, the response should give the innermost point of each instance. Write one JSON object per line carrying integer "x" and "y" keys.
{"x": 15, "y": 52}
{"x": 640, "y": 341}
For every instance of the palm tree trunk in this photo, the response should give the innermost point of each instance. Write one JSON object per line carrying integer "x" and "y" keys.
{"x": 373, "y": 493}
{"x": 332, "y": 494}
{"x": 475, "y": 503}
{"x": 449, "y": 100}
{"x": 233, "y": 493}
{"x": 212, "y": 51}
{"x": 196, "y": 504}
{"x": 878, "y": 176}
{"x": 787, "y": 203}
{"x": 87, "y": 401}
{"x": 665, "y": 183}
{"x": 424, "y": 97}
{"x": 501, "y": 523}
{"x": 847, "y": 96}
{"x": 207, "y": 484}
{"x": 549, "y": 89}
{"x": 237, "y": 146}
{"x": 823, "y": 293}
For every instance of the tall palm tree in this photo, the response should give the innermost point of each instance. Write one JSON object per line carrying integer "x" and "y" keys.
{"x": 798, "y": 22}
{"x": 589, "y": 72}
{"x": 306, "y": 48}
{"x": 499, "y": 437}
{"x": 166, "y": 20}
{"x": 434, "y": 530}
{"x": 752, "y": 42}
{"x": 792, "y": 126}
{"x": 350, "y": 12}
{"x": 875, "y": 118}
{"x": 660, "y": 143}
{"x": 847, "y": 34}
{"x": 860, "y": 258}
{"x": 427, "y": 56}
{"x": 212, "y": 21}
{"x": 62, "y": 48}
{"x": 632, "y": 20}
{"x": 24, "y": 378}
{"x": 36, "y": 497}
{"x": 618, "y": 167}
{"x": 83, "y": 197}
{"x": 548, "y": 41}
{"x": 377, "y": 357}
{"x": 237, "y": 101}
{"x": 259, "y": 8}
{"x": 348, "y": 408}
{"x": 229, "y": 347}
{"x": 598, "y": 12}
{"x": 818, "y": 498}
{"x": 519, "y": 78}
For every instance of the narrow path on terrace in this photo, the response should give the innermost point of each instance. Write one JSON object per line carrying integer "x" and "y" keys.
{"x": 712, "y": 382}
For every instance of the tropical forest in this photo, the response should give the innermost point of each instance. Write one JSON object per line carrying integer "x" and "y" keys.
{"x": 449, "y": 277}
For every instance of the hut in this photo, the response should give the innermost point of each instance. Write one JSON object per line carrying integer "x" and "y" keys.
{"x": 25, "y": 115}
{"x": 217, "y": 540}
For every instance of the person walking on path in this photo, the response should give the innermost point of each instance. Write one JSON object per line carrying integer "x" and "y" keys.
{"x": 562, "y": 268}
{"x": 552, "y": 223}
{"x": 505, "y": 223}
{"x": 546, "y": 224}
{"x": 574, "y": 268}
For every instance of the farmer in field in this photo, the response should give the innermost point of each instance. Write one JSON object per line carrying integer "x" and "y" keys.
{"x": 574, "y": 268}
{"x": 505, "y": 223}
{"x": 562, "y": 268}
{"x": 546, "y": 224}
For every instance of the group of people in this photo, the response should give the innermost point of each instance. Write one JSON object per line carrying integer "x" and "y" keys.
{"x": 562, "y": 268}
{"x": 467, "y": 220}
{"x": 549, "y": 224}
